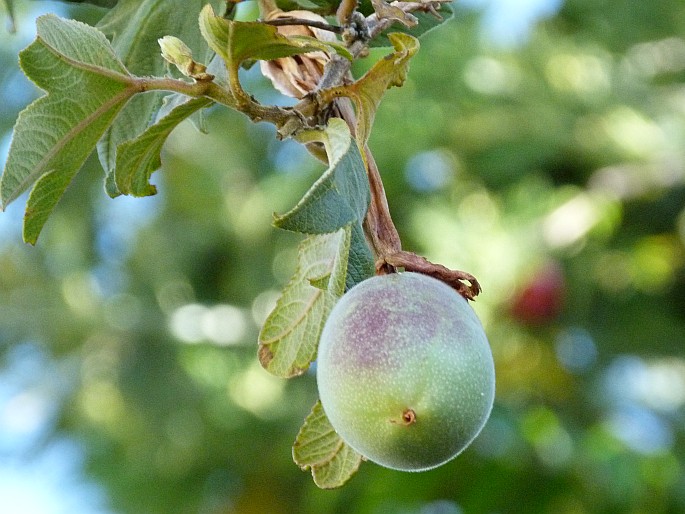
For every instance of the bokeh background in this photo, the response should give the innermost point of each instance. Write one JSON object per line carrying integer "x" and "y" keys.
{"x": 539, "y": 145}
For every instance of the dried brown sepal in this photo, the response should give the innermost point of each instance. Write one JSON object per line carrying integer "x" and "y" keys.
{"x": 464, "y": 283}
{"x": 391, "y": 12}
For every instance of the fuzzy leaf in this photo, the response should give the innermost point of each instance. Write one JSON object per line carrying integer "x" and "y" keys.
{"x": 360, "y": 263}
{"x": 319, "y": 448}
{"x": 87, "y": 86}
{"x": 137, "y": 159}
{"x": 341, "y": 195}
{"x": 134, "y": 27}
{"x": 289, "y": 338}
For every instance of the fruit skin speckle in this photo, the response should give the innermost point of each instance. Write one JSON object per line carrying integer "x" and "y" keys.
{"x": 405, "y": 372}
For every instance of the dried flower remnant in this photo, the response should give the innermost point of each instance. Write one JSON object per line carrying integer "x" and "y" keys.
{"x": 298, "y": 75}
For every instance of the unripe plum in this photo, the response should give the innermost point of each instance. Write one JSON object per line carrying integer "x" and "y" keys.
{"x": 405, "y": 372}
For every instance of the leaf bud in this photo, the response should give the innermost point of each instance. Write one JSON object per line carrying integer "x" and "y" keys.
{"x": 176, "y": 52}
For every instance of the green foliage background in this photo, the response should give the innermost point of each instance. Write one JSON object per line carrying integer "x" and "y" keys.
{"x": 568, "y": 150}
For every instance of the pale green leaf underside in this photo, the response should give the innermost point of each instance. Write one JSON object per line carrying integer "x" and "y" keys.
{"x": 341, "y": 195}
{"x": 133, "y": 119}
{"x": 319, "y": 448}
{"x": 139, "y": 158}
{"x": 87, "y": 86}
{"x": 289, "y": 338}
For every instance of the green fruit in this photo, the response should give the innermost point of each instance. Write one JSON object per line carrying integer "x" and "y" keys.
{"x": 405, "y": 372}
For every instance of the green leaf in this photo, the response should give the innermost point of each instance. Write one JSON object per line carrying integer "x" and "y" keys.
{"x": 367, "y": 92}
{"x": 341, "y": 195}
{"x": 134, "y": 118}
{"x": 289, "y": 338}
{"x": 237, "y": 41}
{"x": 319, "y": 448}
{"x": 137, "y": 159}
{"x": 134, "y": 27}
{"x": 87, "y": 86}
{"x": 426, "y": 22}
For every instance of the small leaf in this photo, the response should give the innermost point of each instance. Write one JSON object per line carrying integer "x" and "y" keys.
{"x": 289, "y": 338}
{"x": 367, "y": 92}
{"x": 319, "y": 448}
{"x": 137, "y": 159}
{"x": 55, "y": 134}
{"x": 427, "y": 21}
{"x": 238, "y": 41}
{"x": 341, "y": 195}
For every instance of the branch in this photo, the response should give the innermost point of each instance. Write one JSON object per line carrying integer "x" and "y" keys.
{"x": 301, "y": 21}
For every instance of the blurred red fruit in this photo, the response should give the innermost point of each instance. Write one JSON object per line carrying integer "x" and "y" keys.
{"x": 541, "y": 299}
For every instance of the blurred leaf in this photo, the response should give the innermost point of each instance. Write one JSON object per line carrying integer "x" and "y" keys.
{"x": 57, "y": 132}
{"x": 9, "y": 5}
{"x": 341, "y": 195}
{"x": 290, "y": 335}
{"x": 367, "y": 92}
{"x": 137, "y": 159}
{"x": 426, "y": 22}
{"x": 319, "y": 448}
{"x": 134, "y": 27}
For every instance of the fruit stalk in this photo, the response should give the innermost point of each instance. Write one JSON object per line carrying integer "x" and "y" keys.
{"x": 383, "y": 236}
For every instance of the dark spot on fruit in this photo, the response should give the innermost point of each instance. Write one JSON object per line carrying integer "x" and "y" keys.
{"x": 409, "y": 417}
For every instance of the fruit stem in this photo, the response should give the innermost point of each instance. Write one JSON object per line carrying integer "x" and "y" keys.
{"x": 378, "y": 224}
